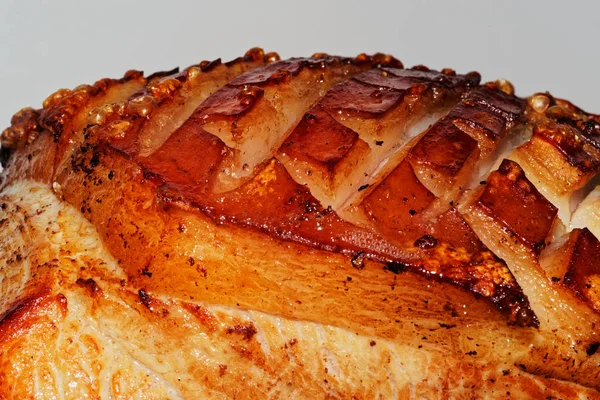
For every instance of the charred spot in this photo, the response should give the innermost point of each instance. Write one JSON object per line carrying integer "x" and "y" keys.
{"x": 396, "y": 267}
{"x": 146, "y": 271}
{"x": 309, "y": 117}
{"x": 426, "y": 242}
{"x": 152, "y": 177}
{"x": 471, "y": 353}
{"x": 145, "y": 298}
{"x": 247, "y": 330}
{"x": 310, "y": 206}
{"x": 201, "y": 270}
{"x": 358, "y": 260}
{"x": 86, "y": 131}
{"x": 372, "y": 343}
{"x": 90, "y": 284}
{"x": 5, "y": 153}
{"x": 162, "y": 74}
{"x": 592, "y": 349}
{"x": 511, "y": 299}
{"x": 293, "y": 341}
{"x": 449, "y": 307}
{"x": 363, "y": 187}
{"x": 447, "y": 326}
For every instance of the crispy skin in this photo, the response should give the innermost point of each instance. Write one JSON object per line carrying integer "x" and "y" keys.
{"x": 252, "y": 221}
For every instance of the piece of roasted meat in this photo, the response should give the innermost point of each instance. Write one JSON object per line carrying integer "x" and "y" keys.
{"x": 319, "y": 227}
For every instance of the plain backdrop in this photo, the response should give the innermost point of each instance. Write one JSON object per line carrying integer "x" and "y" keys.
{"x": 538, "y": 45}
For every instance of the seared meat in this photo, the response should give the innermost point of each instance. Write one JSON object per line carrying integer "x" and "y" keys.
{"x": 313, "y": 227}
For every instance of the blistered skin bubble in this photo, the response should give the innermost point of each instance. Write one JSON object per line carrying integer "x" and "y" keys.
{"x": 539, "y": 102}
{"x": 23, "y": 130}
{"x": 505, "y": 86}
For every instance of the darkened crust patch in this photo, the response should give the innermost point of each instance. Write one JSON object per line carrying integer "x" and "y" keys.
{"x": 91, "y": 285}
{"x": 375, "y": 92}
{"x": 511, "y": 199}
{"x": 241, "y": 94}
{"x": 506, "y": 106}
{"x": 356, "y": 96}
{"x": 479, "y": 117}
{"x": 570, "y": 145}
{"x": 583, "y": 274}
{"x": 321, "y": 138}
{"x": 444, "y": 148}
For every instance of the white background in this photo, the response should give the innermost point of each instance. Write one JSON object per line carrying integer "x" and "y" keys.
{"x": 538, "y": 45}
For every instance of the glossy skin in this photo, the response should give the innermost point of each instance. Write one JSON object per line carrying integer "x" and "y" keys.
{"x": 348, "y": 194}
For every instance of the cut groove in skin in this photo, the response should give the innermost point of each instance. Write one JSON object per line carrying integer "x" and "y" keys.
{"x": 200, "y": 82}
{"x": 443, "y": 159}
{"x": 471, "y": 123}
{"x": 255, "y": 112}
{"x": 587, "y": 213}
{"x": 152, "y": 114}
{"x": 378, "y": 113}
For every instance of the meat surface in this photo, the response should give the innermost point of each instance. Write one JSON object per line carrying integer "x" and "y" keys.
{"x": 320, "y": 227}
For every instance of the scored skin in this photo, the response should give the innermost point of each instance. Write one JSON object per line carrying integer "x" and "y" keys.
{"x": 385, "y": 108}
{"x": 254, "y": 113}
{"x": 397, "y": 213}
{"x": 283, "y": 208}
{"x": 86, "y": 173}
{"x": 169, "y": 99}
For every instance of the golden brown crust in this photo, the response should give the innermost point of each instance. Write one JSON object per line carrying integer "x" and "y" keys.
{"x": 319, "y": 189}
